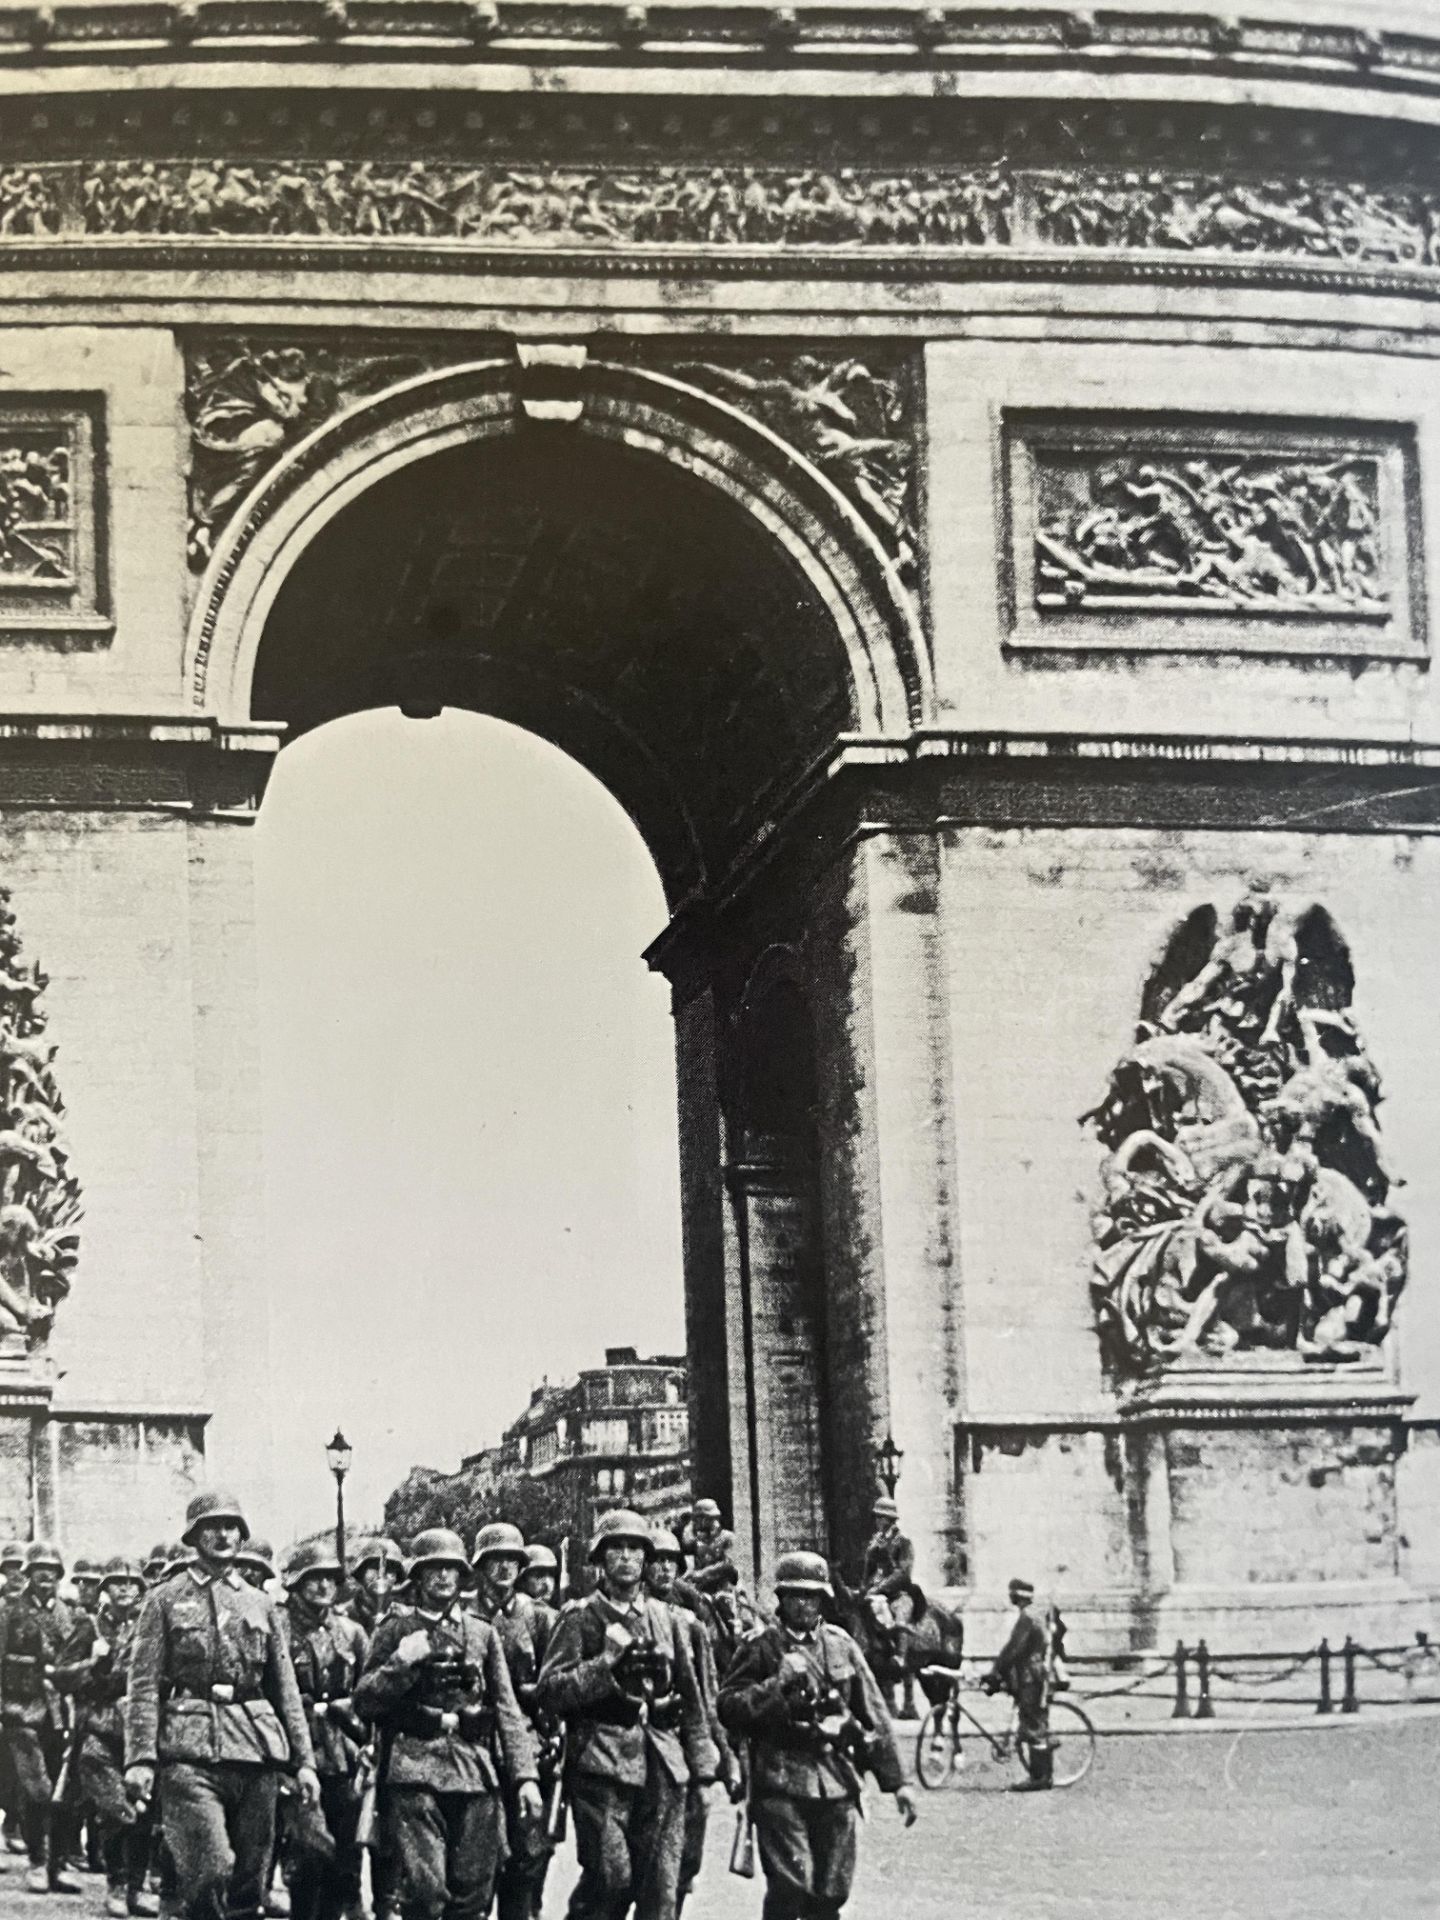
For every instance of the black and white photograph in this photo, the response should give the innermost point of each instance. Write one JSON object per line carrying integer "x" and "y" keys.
{"x": 719, "y": 947}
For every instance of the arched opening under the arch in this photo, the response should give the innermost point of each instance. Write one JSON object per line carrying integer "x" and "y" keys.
{"x": 643, "y": 622}
{"x": 595, "y": 595}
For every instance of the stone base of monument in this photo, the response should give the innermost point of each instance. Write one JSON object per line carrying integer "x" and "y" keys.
{"x": 1270, "y": 1505}
{"x": 98, "y": 1480}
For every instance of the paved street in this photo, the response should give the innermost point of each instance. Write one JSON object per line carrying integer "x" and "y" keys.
{"x": 1255, "y": 1826}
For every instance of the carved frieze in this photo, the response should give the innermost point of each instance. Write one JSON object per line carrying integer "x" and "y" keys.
{"x": 1202, "y": 534}
{"x": 926, "y": 210}
{"x": 1246, "y": 1189}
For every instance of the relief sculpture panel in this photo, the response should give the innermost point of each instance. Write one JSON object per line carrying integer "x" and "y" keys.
{"x": 1211, "y": 536}
{"x": 1247, "y": 1189}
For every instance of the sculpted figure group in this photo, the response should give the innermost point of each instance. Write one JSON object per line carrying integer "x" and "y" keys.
{"x": 1230, "y": 530}
{"x": 412, "y": 1737}
{"x": 1247, "y": 1186}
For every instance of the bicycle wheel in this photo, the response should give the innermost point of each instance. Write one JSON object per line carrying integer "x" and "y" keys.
{"x": 1072, "y": 1741}
{"x": 935, "y": 1748}
{"x": 984, "y": 1742}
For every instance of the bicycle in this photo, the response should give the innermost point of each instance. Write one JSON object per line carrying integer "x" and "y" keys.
{"x": 955, "y": 1747}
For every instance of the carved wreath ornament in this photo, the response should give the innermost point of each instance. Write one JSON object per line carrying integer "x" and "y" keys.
{"x": 1246, "y": 1189}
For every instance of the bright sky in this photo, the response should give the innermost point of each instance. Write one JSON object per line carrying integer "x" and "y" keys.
{"x": 470, "y": 1092}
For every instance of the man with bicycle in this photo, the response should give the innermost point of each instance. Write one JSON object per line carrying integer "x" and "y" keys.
{"x": 1024, "y": 1668}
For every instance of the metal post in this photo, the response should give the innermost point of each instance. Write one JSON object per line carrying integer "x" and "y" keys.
{"x": 1204, "y": 1710}
{"x": 1350, "y": 1700}
{"x": 1182, "y": 1683}
{"x": 340, "y": 1521}
{"x": 1327, "y": 1704}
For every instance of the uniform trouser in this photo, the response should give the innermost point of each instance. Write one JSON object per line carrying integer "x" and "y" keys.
{"x": 1032, "y": 1698}
{"x": 321, "y": 1886}
{"x": 629, "y": 1841}
{"x": 220, "y": 1829}
{"x": 807, "y": 1852}
{"x": 123, "y": 1838}
{"x": 444, "y": 1849}
{"x": 520, "y": 1883}
{"x": 692, "y": 1846}
{"x": 38, "y": 1753}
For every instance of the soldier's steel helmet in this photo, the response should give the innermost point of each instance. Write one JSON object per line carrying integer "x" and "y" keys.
{"x": 540, "y": 1559}
{"x": 157, "y": 1556}
{"x": 84, "y": 1568}
{"x": 257, "y": 1553}
{"x": 313, "y": 1557}
{"x": 12, "y": 1554}
{"x": 438, "y": 1547}
{"x": 621, "y": 1528}
{"x": 173, "y": 1558}
{"x": 499, "y": 1537}
{"x": 885, "y": 1508}
{"x": 376, "y": 1553}
{"x": 706, "y": 1510}
{"x": 802, "y": 1573}
{"x": 119, "y": 1568}
{"x": 213, "y": 1505}
{"x": 664, "y": 1546}
{"x": 39, "y": 1554}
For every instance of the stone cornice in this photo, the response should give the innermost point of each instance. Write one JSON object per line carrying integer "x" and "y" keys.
{"x": 1175, "y": 37}
{"x": 182, "y": 765}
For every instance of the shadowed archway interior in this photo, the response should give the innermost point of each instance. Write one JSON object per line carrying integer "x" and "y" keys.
{"x": 595, "y": 595}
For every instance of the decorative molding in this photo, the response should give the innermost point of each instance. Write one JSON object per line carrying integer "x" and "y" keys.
{"x": 923, "y": 35}
{"x": 1201, "y": 534}
{"x": 1246, "y": 1206}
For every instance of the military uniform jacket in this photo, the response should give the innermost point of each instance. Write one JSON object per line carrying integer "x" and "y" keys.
{"x": 1024, "y": 1660}
{"x": 702, "y": 1653}
{"x": 328, "y": 1655}
{"x": 609, "y": 1736}
{"x": 524, "y": 1629}
{"x": 211, "y": 1679}
{"x": 889, "y": 1560}
{"x": 32, "y": 1639}
{"x": 98, "y": 1682}
{"x": 788, "y": 1757}
{"x": 712, "y": 1560}
{"x": 465, "y": 1675}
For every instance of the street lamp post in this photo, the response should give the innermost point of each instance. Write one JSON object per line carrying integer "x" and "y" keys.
{"x": 338, "y": 1454}
{"x": 887, "y": 1463}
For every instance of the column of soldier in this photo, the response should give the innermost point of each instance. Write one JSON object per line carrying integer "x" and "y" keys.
{"x": 411, "y": 1738}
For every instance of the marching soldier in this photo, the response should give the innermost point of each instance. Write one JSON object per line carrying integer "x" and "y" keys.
{"x": 34, "y": 1629}
{"x": 378, "y": 1576}
{"x": 890, "y": 1556}
{"x": 620, "y": 1672}
{"x": 85, "y": 1578}
{"x": 255, "y": 1564}
{"x": 711, "y": 1547}
{"x": 156, "y": 1561}
{"x": 12, "y": 1579}
{"x": 213, "y": 1707}
{"x": 663, "y": 1583}
{"x": 437, "y": 1683}
{"x": 524, "y": 1632}
{"x": 801, "y": 1693}
{"x": 95, "y": 1671}
{"x": 541, "y": 1577}
{"x": 327, "y": 1650}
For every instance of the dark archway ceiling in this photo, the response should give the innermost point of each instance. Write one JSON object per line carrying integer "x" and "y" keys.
{"x": 601, "y": 598}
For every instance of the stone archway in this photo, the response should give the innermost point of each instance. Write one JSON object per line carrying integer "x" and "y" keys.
{"x": 676, "y": 596}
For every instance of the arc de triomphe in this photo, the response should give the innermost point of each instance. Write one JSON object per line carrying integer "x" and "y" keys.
{"x": 966, "y": 480}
